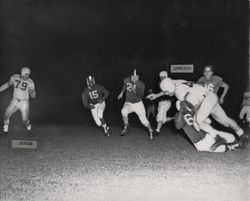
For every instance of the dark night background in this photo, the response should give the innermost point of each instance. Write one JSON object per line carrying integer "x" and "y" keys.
{"x": 63, "y": 41}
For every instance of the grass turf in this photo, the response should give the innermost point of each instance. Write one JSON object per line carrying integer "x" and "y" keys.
{"x": 80, "y": 164}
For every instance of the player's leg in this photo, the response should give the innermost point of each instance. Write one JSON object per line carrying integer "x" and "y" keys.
{"x": 209, "y": 144}
{"x": 149, "y": 111}
{"x": 126, "y": 110}
{"x": 205, "y": 109}
{"x": 95, "y": 116}
{"x": 10, "y": 110}
{"x": 161, "y": 117}
{"x": 248, "y": 115}
{"x": 100, "y": 110}
{"x": 24, "y": 109}
{"x": 139, "y": 109}
{"x": 243, "y": 112}
{"x": 219, "y": 115}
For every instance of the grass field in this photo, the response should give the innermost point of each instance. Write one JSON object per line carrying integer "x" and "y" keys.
{"x": 80, "y": 164}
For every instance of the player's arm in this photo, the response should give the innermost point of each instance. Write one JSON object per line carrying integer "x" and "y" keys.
{"x": 179, "y": 120}
{"x": 155, "y": 96}
{"x": 5, "y": 86}
{"x": 32, "y": 91}
{"x": 225, "y": 87}
{"x": 140, "y": 91}
{"x": 105, "y": 93}
{"x": 85, "y": 100}
{"x": 122, "y": 91}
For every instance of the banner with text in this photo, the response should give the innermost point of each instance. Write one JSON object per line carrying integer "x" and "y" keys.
{"x": 182, "y": 68}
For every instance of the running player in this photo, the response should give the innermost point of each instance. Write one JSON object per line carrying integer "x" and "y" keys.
{"x": 164, "y": 105}
{"x": 23, "y": 88}
{"x": 134, "y": 89}
{"x": 93, "y": 98}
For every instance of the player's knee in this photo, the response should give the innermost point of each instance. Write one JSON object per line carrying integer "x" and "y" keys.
{"x": 144, "y": 121}
{"x": 124, "y": 112}
{"x": 230, "y": 138}
{"x": 159, "y": 117}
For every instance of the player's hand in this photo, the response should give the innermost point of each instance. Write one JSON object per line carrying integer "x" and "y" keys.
{"x": 100, "y": 101}
{"x": 92, "y": 106}
{"x": 221, "y": 101}
{"x": 196, "y": 126}
{"x": 151, "y": 96}
{"x": 120, "y": 96}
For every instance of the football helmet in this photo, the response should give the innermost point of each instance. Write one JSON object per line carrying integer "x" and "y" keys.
{"x": 90, "y": 81}
{"x": 134, "y": 77}
{"x": 163, "y": 74}
{"x": 25, "y": 70}
{"x": 167, "y": 85}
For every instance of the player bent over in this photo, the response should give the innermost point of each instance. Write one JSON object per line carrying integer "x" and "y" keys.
{"x": 163, "y": 106}
{"x": 23, "y": 88}
{"x": 93, "y": 98}
{"x": 201, "y": 98}
{"x": 134, "y": 89}
{"x": 216, "y": 141}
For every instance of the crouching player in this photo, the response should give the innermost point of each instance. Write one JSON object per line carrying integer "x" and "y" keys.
{"x": 23, "y": 88}
{"x": 216, "y": 141}
{"x": 93, "y": 98}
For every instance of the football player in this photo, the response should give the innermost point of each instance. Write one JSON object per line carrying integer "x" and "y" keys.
{"x": 134, "y": 89}
{"x": 213, "y": 82}
{"x": 245, "y": 110}
{"x": 163, "y": 106}
{"x": 204, "y": 100}
{"x": 93, "y": 98}
{"x": 215, "y": 141}
{"x": 23, "y": 88}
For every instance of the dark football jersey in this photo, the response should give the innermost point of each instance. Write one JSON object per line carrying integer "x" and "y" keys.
{"x": 134, "y": 91}
{"x": 184, "y": 119}
{"x": 213, "y": 84}
{"x": 95, "y": 94}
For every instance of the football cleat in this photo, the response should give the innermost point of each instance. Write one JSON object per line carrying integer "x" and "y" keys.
{"x": 5, "y": 129}
{"x": 28, "y": 127}
{"x": 244, "y": 139}
{"x": 106, "y": 130}
{"x": 124, "y": 131}
{"x": 157, "y": 133}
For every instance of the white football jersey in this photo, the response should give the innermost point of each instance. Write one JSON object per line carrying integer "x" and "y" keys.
{"x": 193, "y": 93}
{"x": 21, "y": 87}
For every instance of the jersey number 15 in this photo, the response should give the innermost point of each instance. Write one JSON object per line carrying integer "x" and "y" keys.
{"x": 93, "y": 94}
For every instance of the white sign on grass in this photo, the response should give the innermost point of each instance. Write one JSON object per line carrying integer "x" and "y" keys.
{"x": 24, "y": 144}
